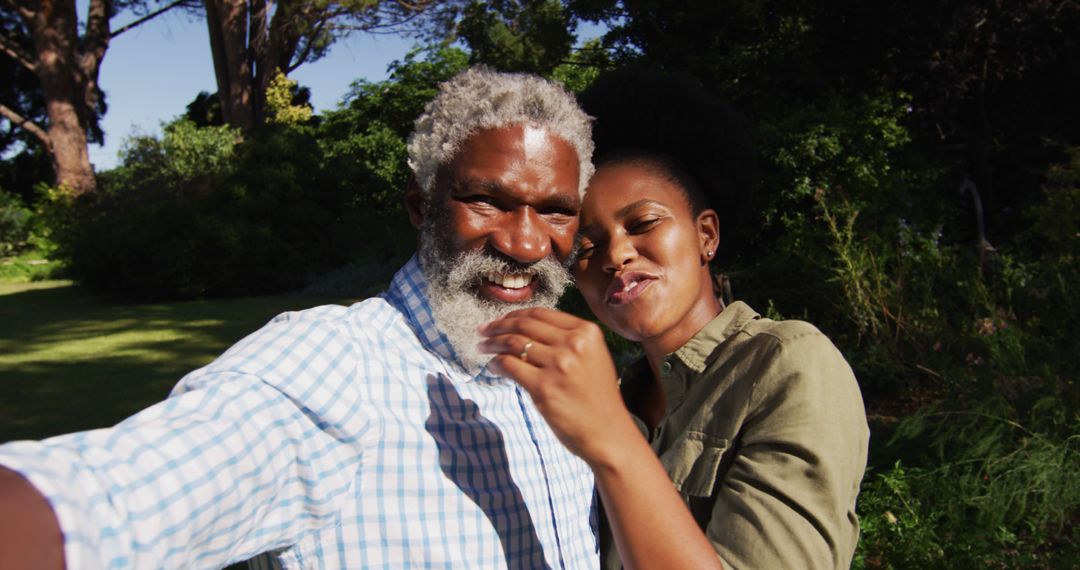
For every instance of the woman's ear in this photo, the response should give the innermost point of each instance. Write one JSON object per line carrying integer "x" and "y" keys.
{"x": 414, "y": 203}
{"x": 708, "y": 224}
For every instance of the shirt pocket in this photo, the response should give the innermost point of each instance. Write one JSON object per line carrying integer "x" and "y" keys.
{"x": 693, "y": 461}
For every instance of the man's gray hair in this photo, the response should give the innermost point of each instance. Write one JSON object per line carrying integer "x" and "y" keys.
{"x": 481, "y": 98}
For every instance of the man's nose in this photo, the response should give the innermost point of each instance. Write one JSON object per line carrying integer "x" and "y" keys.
{"x": 522, "y": 236}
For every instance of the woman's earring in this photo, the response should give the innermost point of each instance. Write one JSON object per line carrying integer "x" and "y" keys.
{"x": 709, "y": 254}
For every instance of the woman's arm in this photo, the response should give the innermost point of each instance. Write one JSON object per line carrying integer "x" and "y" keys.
{"x": 562, "y": 362}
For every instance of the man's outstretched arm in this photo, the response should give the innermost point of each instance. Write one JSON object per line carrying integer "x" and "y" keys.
{"x": 29, "y": 534}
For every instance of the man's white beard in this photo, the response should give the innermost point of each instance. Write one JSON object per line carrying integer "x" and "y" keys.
{"x": 453, "y": 289}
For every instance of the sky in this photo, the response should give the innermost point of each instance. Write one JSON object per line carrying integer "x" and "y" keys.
{"x": 151, "y": 72}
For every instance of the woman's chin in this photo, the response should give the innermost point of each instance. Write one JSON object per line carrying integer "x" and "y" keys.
{"x": 634, "y": 328}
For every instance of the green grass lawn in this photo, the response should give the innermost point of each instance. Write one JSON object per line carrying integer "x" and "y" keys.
{"x": 69, "y": 361}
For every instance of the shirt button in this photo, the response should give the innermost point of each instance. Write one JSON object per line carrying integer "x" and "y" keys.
{"x": 665, "y": 367}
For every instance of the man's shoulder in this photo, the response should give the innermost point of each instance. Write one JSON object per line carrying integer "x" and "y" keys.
{"x": 313, "y": 342}
{"x": 375, "y": 320}
{"x": 366, "y": 310}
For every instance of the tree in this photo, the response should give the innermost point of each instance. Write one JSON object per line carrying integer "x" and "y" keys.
{"x": 43, "y": 37}
{"x": 25, "y": 163}
{"x": 252, "y": 41}
{"x": 520, "y": 35}
{"x": 990, "y": 81}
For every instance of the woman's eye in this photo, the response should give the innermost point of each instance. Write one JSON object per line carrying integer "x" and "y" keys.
{"x": 585, "y": 251}
{"x": 643, "y": 225}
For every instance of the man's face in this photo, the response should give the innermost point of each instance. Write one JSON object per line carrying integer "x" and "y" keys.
{"x": 497, "y": 232}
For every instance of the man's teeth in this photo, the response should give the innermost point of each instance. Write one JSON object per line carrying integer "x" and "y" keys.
{"x": 509, "y": 281}
{"x": 630, "y": 286}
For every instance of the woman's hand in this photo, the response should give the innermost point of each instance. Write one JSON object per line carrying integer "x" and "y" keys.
{"x": 565, "y": 366}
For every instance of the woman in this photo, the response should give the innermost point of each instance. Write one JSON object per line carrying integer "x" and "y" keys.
{"x": 758, "y": 423}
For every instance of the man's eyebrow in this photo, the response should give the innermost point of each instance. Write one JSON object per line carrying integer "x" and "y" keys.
{"x": 467, "y": 185}
{"x": 565, "y": 201}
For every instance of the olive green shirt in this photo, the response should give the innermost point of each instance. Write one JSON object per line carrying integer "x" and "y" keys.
{"x": 765, "y": 437}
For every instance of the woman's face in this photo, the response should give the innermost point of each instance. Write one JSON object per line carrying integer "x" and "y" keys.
{"x": 643, "y": 265}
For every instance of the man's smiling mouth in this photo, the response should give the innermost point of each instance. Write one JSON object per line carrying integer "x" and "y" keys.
{"x": 510, "y": 280}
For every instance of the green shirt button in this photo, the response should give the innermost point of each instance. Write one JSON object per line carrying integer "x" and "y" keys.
{"x": 665, "y": 367}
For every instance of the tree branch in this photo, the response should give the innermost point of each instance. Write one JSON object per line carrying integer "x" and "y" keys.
{"x": 148, "y": 17}
{"x": 298, "y": 61}
{"x": 26, "y": 124}
{"x": 23, "y": 9}
{"x": 15, "y": 52}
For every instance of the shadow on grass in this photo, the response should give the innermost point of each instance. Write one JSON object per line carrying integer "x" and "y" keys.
{"x": 70, "y": 362}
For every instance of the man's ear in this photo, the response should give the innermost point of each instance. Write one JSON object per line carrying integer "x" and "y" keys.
{"x": 708, "y": 223}
{"x": 414, "y": 203}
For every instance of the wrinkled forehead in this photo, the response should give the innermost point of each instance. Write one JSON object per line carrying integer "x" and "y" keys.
{"x": 520, "y": 150}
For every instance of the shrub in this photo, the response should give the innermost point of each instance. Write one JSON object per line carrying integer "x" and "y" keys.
{"x": 198, "y": 214}
{"x": 898, "y": 530}
{"x": 16, "y": 221}
{"x": 980, "y": 488}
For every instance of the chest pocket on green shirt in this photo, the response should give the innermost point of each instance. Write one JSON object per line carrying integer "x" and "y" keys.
{"x": 692, "y": 462}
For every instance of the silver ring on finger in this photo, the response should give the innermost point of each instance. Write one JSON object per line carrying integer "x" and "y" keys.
{"x": 525, "y": 351}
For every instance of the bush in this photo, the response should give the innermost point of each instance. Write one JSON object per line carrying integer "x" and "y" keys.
{"x": 16, "y": 221}
{"x": 981, "y": 489}
{"x": 197, "y": 214}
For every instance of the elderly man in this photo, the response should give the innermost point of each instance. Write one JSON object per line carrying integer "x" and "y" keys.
{"x": 363, "y": 437}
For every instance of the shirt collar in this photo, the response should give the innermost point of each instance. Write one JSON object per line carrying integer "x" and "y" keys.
{"x": 699, "y": 351}
{"x": 409, "y": 293}
{"x": 696, "y": 353}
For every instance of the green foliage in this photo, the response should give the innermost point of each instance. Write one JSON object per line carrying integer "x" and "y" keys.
{"x": 25, "y": 239}
{"x": 15, "y": 224}
{"x": 582, "y": 67}
{"x": 363, "y": 142}
{"x": 280, "y": 108}
{"x": 898, "y": 530}
{"x": 28, "y": 267}
{"x": 201, "y": 213}
{"x": 185, "y": 154}
{"x": 529, "y": 35}
{"x": 198, "y": 214}
{"x": 1056, "y": 221}
{"x": 980, "y": 489}
{"x": 24, "y": 242}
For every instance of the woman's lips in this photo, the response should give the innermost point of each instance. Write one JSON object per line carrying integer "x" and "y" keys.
{"x": 627, "y": 287}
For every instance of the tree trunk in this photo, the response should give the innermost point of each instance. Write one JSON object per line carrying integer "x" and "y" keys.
{"x": 251, "y": 40}
{"x": 65, "y": 83}
{"x": 227, "y": 23}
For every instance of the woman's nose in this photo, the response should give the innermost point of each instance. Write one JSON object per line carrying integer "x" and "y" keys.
{"x": 619, "y": 253}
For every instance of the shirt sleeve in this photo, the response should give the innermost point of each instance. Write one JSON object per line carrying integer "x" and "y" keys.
{"x": 788, "y": 500}
{"x": 247, "y": 455}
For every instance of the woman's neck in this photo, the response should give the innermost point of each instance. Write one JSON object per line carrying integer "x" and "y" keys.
{"x": 656, "y": 348}
{"x": 652, "y": 402}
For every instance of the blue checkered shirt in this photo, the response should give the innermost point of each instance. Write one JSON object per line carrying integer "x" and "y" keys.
{"x": 336, "y": 437}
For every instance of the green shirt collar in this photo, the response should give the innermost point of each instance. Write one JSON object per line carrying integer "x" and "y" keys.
{"x": 696, "y": 352}
{"x": 694, "y": 356}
